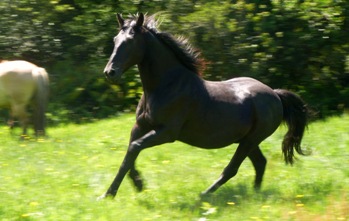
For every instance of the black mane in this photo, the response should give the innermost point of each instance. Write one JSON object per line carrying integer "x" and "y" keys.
{"x": 183, "y": 50}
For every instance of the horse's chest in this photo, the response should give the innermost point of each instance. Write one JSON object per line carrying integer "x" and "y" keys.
{"x": 161, "y": 109}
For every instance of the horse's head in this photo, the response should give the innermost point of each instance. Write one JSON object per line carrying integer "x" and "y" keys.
{"x": 128, "y": 47}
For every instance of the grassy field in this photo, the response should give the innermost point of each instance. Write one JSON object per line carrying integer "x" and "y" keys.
{"x": 60, "y": 177}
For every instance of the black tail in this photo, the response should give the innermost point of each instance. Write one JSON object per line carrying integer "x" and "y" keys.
{"x": 296, "y": 114}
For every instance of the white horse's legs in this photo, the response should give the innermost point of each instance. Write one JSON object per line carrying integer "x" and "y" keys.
{"x": 19, "y": 111}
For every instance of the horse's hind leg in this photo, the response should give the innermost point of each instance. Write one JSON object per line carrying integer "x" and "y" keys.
{"x": 231, "y": 170}
{"x": 259, "y": 162}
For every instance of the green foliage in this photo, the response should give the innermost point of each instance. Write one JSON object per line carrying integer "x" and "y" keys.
{"x": 25, "y": 31}
{"x": 298, "y": 45}
{"x": 60, "y": 177}
{"x": 89, "y": 95}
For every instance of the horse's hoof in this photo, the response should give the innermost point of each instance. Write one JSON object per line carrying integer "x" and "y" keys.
{"x": 257, "y": 188}
{"x": 101, "y": 197}
{"x": 205, "y": 194}
{"x": 105, "y": 196}
{"x": 139, "y": 184}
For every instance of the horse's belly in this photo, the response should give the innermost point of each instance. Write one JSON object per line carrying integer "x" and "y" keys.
{"x": 215, "y": 135}
{"x": 209, "y": 142}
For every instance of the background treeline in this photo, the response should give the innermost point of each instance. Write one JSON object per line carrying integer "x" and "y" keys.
{"x": 301, "y": 45}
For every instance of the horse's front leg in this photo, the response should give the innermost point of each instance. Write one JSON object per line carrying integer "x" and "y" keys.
{"x": 136, "y": 178}
{"x": 152, "y": 138}
{"x": 126, "y": 165}
{"x": 19, "y": 111}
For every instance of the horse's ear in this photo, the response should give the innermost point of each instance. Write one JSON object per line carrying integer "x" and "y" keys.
{"x": 120, "y": 20}
{"x": 140, "y": 20}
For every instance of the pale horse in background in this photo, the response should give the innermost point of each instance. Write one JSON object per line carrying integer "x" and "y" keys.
{"x": 24, "y": 86}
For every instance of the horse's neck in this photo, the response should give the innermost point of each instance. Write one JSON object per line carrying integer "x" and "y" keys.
{"x": 159, "y": 66}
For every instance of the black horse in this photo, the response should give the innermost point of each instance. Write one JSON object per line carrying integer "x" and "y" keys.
{"x": 178, "y": 104}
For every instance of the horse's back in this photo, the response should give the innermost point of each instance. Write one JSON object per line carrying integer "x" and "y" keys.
{"x": 18, "y": 67}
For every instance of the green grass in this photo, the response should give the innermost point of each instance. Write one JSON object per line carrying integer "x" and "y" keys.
{"x": 60, "y": 177}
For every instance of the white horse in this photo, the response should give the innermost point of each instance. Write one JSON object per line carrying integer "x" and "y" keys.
{"x": 23, "y": 84}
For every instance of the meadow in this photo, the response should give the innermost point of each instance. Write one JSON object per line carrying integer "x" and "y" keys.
{"x": 60, "y": 177}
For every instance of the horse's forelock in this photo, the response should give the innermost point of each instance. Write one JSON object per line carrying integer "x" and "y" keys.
{"x": 150, "y": 21}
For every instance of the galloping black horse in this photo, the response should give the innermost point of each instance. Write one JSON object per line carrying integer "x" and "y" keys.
{"x": 178, "y": 104}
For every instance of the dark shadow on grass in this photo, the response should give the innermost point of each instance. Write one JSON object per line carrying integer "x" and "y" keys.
{"x": 240, "y": 194}
{"x": 228, "y": 195}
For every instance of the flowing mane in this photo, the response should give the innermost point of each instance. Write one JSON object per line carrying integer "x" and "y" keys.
{"x": 183, "y": 50}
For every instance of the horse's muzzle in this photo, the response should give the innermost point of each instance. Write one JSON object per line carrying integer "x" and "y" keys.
{"x": 113, "y": 75}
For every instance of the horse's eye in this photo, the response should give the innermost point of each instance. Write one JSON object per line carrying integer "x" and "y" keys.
{"x": 132, "y": 31}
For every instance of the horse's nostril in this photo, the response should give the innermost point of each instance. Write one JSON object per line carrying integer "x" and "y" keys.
{"x": 109, "y": 73}
{"x": 112, "y": 73}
